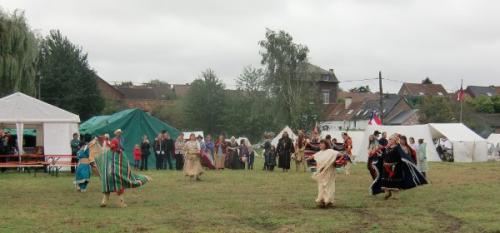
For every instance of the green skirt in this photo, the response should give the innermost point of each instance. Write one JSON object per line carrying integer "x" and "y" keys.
{"x": 116, "y": 173}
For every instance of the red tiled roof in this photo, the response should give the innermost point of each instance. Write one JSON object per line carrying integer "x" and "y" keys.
{"x": 418, "y": 89}
{"x": 357, "y": 96}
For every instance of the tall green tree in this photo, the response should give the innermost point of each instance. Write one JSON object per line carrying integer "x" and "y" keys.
{"x": 67, "y": 80}
{"x": 249, "y": 110}
{"x": 204, "y": 103}
{"x": 436, "y": 109}
{"x": 287, "y": 79}
{"x": 18, "y": 54}
{"x": 360, "y": 89}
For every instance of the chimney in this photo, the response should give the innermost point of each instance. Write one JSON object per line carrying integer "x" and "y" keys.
{"x": 331, "y": 70}
{"x": 348, "y": 102}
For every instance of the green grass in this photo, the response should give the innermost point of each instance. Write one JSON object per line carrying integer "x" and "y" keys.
{"x": 461, "y": 198}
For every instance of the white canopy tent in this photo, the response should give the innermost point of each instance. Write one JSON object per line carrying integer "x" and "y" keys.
{"x": 54, "y": 126}
{"x": 494, "y": 139}
{"x": 287, "y": 129}
{"x": 467, "y": 145}
{"x": 415, "y": 131}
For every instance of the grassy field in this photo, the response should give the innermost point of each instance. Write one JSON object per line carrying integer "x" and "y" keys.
{"x": 461, "y": 198}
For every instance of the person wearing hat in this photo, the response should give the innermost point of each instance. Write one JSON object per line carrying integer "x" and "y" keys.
{"x": 114, "y": 168}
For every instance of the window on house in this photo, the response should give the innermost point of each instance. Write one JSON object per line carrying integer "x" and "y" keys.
{"x": 440, "y": 93}
{"x": 488, "y": 94}
{"x": 326, "y": 97}
{"x": 421, "y": 93}
{"x": 350, "y": 111}
{"x": 359, "y": 112}
{"x": 326, "y": 77}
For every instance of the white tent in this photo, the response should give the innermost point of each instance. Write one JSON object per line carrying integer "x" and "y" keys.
{"x": 467, "y": 145}
{"x": 494, "y": 139}
{"x": 54, "y": 126}
{"x": 196, "y": 134}
{"x": 356, "y": 136}
{"x": 415, "y": 131}
{"x": 287, "y": 129}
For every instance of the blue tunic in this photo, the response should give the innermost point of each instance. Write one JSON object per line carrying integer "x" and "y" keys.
{"x": 83, "y": 171}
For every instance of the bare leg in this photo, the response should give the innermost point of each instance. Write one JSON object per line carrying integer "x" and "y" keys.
{"x": 105, "y": 199}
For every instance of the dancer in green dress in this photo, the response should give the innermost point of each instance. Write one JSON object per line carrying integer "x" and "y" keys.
{"x": 114, "y": 168}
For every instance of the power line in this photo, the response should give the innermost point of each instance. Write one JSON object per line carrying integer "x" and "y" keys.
{"x": 358, "y": 80}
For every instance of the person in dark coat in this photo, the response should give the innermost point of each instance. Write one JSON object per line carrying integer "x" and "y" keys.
{"x": 284, "y": 150}
{"x": 145, "y": 151}
{"x": 158, "y": 146}
{"x": 168, "y": 153}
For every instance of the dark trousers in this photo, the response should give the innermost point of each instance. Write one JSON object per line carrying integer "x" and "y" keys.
{"x": 73, "y": 160}
{"x": 159, "y": 161}
{"x": 136, "y": 164}
{"x": 251, "y": 159}
{"x": 168, "y": 162}
{"x": 179, "y": 161}
{"x": 144, "y": 162}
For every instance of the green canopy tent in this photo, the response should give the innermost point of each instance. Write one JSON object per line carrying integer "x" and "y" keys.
{"x": 134, "y": 123}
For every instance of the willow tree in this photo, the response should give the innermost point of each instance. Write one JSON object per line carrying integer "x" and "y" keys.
{"x": 18, "y": 54}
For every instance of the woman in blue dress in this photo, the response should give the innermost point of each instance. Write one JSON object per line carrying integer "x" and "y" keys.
{"x": 83, "y": 170}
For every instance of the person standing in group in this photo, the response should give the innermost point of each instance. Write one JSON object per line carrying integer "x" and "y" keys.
{"x": 300, "y": 147}
{"x": 137, "y": 156}
{"x": 348, "y": 153}
{"x": 179, "y": 152}
{"x": 373, "y": 147}
{"x": 410, "y": 153}
{"x": 169, "y": 151}
{"x": 192, "y": 164}
{"x": 75, "y": 147}
{"x": 413, "y": 144}
{"x": 422, "y": 157}
{"x": 145, "y": 151}
{"x": 209, "y": 143}
{"x": 158, "y": 146}
{"x": 114, "y": 169}
{"x": 325, "y": 174}
{"x": 267, "y": 149}
{"x": 251, "y": 154}
{"x": 284, "y": 151}
{"x": 271, "y": 158}
{"x": 383, "y": 140}
{"x": 243, "y": 154}
{"x": 232, "y": 158}
{"x": 220, "y": 148}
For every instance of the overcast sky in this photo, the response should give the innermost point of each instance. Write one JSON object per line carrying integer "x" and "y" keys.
{"x": 175, "y": 40}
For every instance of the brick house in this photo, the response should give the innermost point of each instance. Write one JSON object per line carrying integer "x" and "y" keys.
{"x": 326, "y": 83}
{"x": 355, "y": 115}
{"x": 108, "y": 92}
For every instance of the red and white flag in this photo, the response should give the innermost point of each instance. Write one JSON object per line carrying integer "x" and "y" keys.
{"x": 460, "y": 94}
{"x": 374, "y": 119}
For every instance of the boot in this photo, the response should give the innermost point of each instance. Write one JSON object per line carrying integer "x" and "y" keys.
{"x": 388, "y": 194}
{"x": 121, "y": 202}
{"x": 105, "y": 199}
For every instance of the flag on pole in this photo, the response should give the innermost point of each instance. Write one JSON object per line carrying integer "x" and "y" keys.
{"x": 460, "y": 94}
{"x": 374, "y": 119}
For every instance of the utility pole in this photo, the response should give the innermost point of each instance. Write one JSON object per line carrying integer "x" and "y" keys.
{"x": 381, "y": 110}
{"x": 461, "y": 99}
